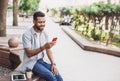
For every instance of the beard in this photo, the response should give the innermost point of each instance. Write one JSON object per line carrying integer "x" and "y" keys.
{"x": 40, "y": 28}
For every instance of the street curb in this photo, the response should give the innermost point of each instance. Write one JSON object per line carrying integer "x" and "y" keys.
{"x": 86, "y": 45}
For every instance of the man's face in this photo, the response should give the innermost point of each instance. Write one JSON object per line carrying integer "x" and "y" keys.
{"x": 39, "y": 23}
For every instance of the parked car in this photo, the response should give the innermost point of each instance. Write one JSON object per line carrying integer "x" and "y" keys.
{"x": 66, "y": 20}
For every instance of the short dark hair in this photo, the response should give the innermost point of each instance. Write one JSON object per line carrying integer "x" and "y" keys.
{"x": 38, "y": 14}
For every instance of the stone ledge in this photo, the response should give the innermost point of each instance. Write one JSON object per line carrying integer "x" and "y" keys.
{"x": 9, "y": 57}
{"x": 86, "y": 45}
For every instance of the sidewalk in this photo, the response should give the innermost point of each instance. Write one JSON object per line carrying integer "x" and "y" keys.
{"x": 87, "y": 45}
{"x": 16, "y": 31}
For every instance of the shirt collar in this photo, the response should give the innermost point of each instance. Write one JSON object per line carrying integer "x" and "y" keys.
{"x": 34, "y": 32}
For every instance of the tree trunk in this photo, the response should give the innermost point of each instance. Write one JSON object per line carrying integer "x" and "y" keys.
{"x": 15, "y": 12}
{"x": 106, "y": 22}
{"x": 3, "y": 13}
{"x": 108, "y": 1}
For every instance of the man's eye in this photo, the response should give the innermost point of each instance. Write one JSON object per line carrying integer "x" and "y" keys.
{"x": 42, "y": 22}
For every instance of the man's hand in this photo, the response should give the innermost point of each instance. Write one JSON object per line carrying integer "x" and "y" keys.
{"x": 54, "y": 69}
{"x": 49, "y": 45}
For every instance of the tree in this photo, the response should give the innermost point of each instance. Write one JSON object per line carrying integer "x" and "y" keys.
{"x": 28, "y": 6}
{"x": 15, "y": 12}
{"x": 3, "y": 12}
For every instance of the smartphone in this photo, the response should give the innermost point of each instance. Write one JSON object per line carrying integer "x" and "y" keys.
{"x": 18, "y": 77}
{"x": 54, "y": 39}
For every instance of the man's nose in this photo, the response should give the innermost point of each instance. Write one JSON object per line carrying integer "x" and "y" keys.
{"x": 41, "y": 23}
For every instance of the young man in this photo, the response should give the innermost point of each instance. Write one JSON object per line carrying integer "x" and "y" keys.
{"x": 35, "y": 43}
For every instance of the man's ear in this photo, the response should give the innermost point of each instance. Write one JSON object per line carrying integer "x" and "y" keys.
{"x": 34, "y": 21}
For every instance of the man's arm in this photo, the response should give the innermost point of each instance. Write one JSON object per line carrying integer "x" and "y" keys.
{"x": 50, "y": 56}
{"x": 31, "y": 52}
{"x": 53, "y": 65}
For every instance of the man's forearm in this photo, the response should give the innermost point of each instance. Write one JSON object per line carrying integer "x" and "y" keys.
{"x": 31, "y": 52}
{"x": 50, "y": 56}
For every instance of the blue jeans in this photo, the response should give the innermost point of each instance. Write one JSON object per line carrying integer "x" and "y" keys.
{"x": 43, "y": 70}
